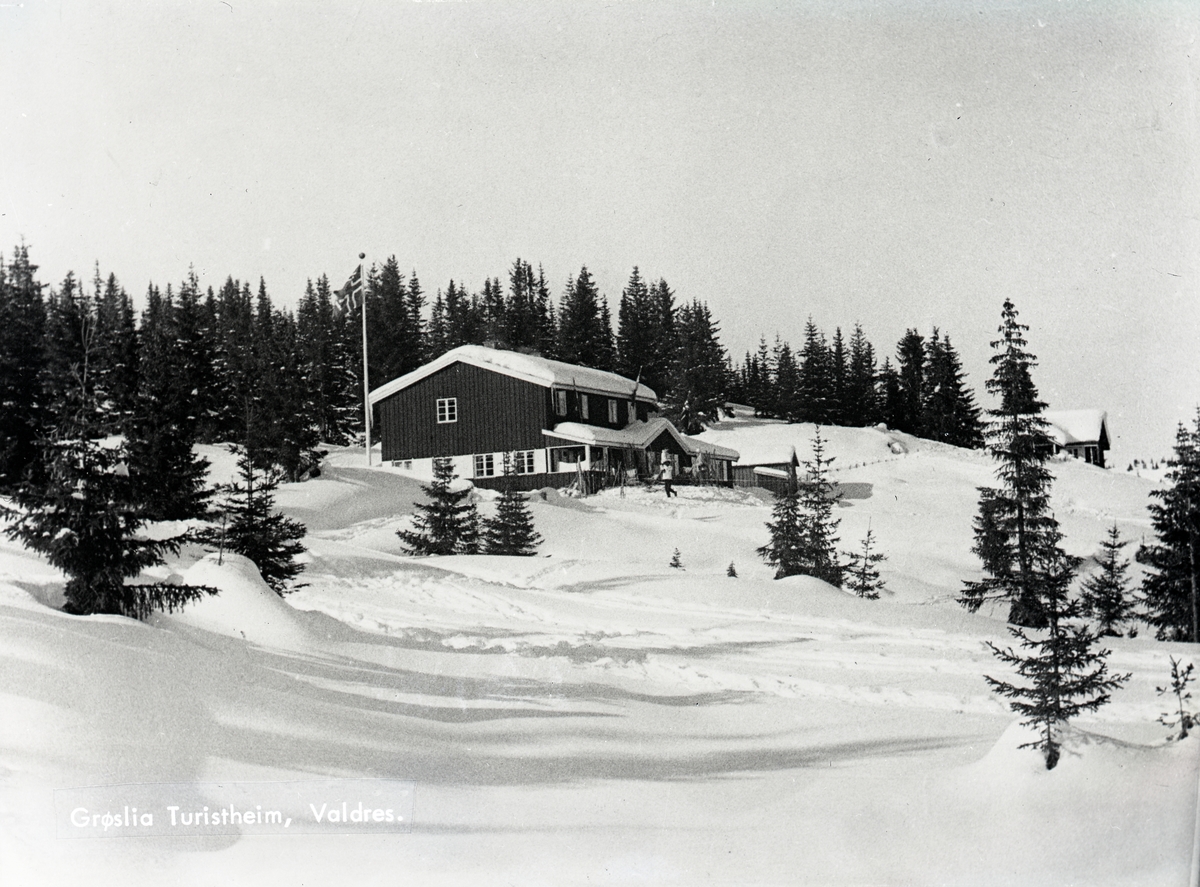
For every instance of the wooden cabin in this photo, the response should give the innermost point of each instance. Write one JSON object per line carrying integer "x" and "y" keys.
{"x": 556, "y": 423}
{"x": 1080, "y": 433}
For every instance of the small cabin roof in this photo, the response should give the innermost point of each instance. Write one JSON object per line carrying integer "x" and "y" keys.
{"x": 527, "y": 367}
{"x": 1077, "y": 426}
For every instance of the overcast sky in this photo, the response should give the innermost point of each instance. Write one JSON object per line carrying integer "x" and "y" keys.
{"x": 899, "y": 164}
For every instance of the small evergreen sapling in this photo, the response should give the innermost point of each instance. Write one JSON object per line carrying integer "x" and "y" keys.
{"x": 511, "y": 530}
{"x": 1180, "y": 678}
{"x": 862, "y": 573}
{"x": 818, "y": 496}
{"x": 676, "y": 562}
{"x": 1064, "y": 672}
{"x": 1106, "y": 594}
{"x": 730, "y": 571}
{"x": 449, "y": 522}
{"x": 254, "y": 529}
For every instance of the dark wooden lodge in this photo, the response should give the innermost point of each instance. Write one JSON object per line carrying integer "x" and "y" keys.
{"x": 553, "y": 423}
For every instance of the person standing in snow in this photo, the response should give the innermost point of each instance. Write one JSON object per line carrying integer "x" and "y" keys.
{"x": 668, "y": 475}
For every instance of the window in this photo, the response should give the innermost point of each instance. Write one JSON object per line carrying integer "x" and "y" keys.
{"x": 565, "y": 458}
{"x": 583, "y": 406}
{"x": 447, "y": 410}
{"x": 523, "y": 462}
{"x": 560, "y": 402}
{"x": 406, "y": 464}
{"x": 612, "y": 410}
{"x": 485, "y": 465}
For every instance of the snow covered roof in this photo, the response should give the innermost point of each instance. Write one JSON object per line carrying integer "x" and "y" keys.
{"x": 711, "y": 449}
{"x": 1077, "y": 426}
{"x": 527, "y": 367}
{"x": 637, "y": 435}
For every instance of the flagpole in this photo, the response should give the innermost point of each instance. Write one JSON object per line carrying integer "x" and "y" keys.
{"x": 362, "y": 276}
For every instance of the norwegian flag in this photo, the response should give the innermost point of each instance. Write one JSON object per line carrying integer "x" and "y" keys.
{"x": 350, "y": 296}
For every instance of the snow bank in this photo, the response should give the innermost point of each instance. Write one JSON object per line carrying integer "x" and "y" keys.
{"x": 1097, "y": 815}
{"x": 771, "y": 441}
{"x": 244, "y": 607}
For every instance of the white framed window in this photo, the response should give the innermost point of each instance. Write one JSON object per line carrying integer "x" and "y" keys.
{"x": 560, "y": 402}
{"x": 612, "y": 410}
{"x": 447, "y": 410}
{"x": 583, "y": 406}
{"x": 523, "y": 462}
{"x": 406, "y": 464}
{"x": 485, "y": 465}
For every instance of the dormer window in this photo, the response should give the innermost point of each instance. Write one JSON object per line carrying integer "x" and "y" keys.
{"x": 560, "y": 402}
{"x": 612, "y": 411}
{"x": 583, "y": 406}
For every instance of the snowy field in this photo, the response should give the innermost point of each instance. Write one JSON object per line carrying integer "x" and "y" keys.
{"x": 592, "y": 716}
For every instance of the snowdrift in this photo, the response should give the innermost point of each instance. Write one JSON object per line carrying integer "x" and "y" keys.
{"x": 243, "y": 607}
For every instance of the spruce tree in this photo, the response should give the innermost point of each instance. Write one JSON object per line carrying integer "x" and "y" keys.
{"x": 861, "y": 403}
{"x": 676, "y": 562}
{"x": 435, "y": 338}
{"x": 583, "y": 336}
{"x": 22, "y": 364}
{"x": 949, "y": 413}
{"x": 661, "y": 319}
{"x": 862, "y": 569}
{"x": 803, "y": 530}
{"x": 449, "y": 522}
{"x": 763, "y": 383}
{"x": 287, "y": 427}
{"x": 81, "y": 509}
{"x": 522, "y": 322}
{"x": 816, "y": 378}
{"x": 116, "y": 342}
{"x": 890, "y": 396}
{"x": 1015, "y": 531}
{"x": 634, "y": 333}
{"x": 910, "y": 359}
{"x": 818, "y": 497}
{"x": 785, "y": 550}
{"x": 731, "y": 571}
{"x": 168, "y": 475}
{"x": 67, "y": 320}
{"x": 234, "y": 359}
{"x": 253, "y": 528}
{"x": 785, "y": 401}
{"x": 314, "y": 329}
{"x": 839, "y": 366}
{"x": 393, "y": 322}
{"x": 696, "y": 388}
{"x": 195, "y": 346}
{"x": 1171, "y": 589}
{"x": 547, "y": 323}
{"x": 510, "y": 531}
{"x": 1105, "y": 595}
{"x": 1064, "y": 672}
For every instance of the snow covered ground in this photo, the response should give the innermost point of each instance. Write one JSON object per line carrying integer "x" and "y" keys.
{"x": 592, "y": 716}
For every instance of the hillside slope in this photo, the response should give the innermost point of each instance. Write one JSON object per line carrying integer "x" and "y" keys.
{"x": 592, "y": 715}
